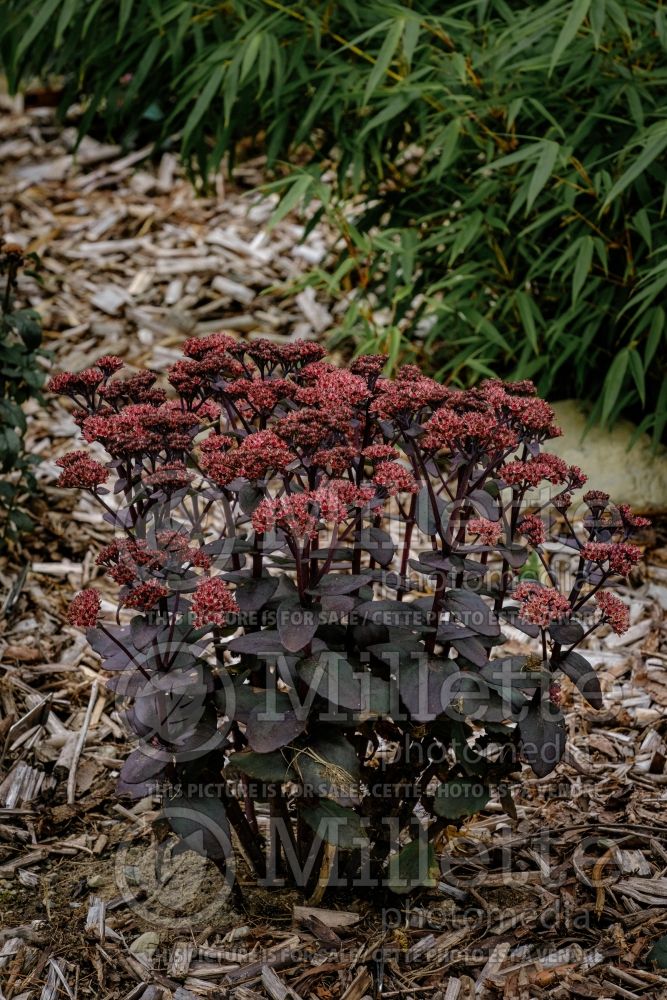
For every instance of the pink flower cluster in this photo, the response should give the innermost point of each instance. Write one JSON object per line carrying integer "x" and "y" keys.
{"x": 137, "y": 388}
{"x": 408, "y": 394}
{"x": 630, "y": 519}
{"x": 83, "y": 383}
{"x": 541, "y": 605}
{"x": 81, "y": 471}
{"x": 339, "y": 459}
{"x": 257, "y": 454}
{"x": 169, "y": 477}
{"x": 494, "y": 417}
{"x": 597, "y": 500}
{"x": 489, "y": 532}
{"x": 123, "y": 558}
{"x": 532, "y": 528}
{"x": 614, "y": 611}
{"x": 143, "y": 429}
{"x": 84, "y": 609}
{"x": 394, "y": 478}
{"x": 176, "y": 545}
{"x": 145, "y": 596}
{"x": 544, "y": 467}
{"x": 380, "y": 453}
{"x": 621, "y": 556}
{"x": 261, "y": 396}
{"x": 310, "y": 428}
{"x": 450, "y": 429}
{"x": 213, "y": 602}
{"x": 298, "y": 513}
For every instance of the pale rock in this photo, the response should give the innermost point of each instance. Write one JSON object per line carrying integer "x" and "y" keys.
{"x": 636, "y": 477}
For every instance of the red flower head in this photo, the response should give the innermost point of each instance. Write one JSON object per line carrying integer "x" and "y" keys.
{"x": 213, "y": 602}
{"x": 562, "y": 501}
{"x": 76, "y": 384}
{"x": 80, "y": 471}
{"x": 293, "y": 514}
{"x": 349, "y": 494}
{"x": 169, "y": 478}
{"x": 198, "y": 347}
{"x": 369, "y": 366}
{"x": 261, "y": 395}
{"x": 137, "y": 388}
{"x": 621, "y": 556}
{"x": 544, "y": 467}
{"x": 394, "y": 478}
{"x": 597, "y": 500}
{"x": 187, "y": 378}
{"x": 257, "y": 454}
{"x": 84, "y": 609}
{"x": 489, "y": 531}
{"x": 123, "y": 558}
{"x": 310, "y": 428}
{"x": 335, "y": 390}
{"x": 541, "y": 605}
{"x": 532, "y": 528}
{"x": 109, "y": 363}
{"x": 145, "y": 596}
{"x": 614, "y": 611}
{"x": 630, "y": 519}
{"x": 380, "y": 453}
{"x": 300, "y": 352}
{"x": 338, "y": 459}
{"x": 409, "y": 393}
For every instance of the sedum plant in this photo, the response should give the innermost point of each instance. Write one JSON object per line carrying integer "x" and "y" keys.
{"x": 494, "y": 169}
{"x": 315, "y": 568}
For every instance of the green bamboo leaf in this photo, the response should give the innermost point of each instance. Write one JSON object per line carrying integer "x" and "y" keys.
{"x": 410, "y": 38}
{"x": 125, "y": 9}
{"x": 655, "y": 335}
{"x": 384, "y": 58}
{"x": 527, "y": 152}
{"x": 613, "y": 383}
{"x": 542, "y": 172}
{"x": 637, "y": 372}
{"x": 653, "y": 148}
{"x": 66, "y": 13}
{"x": 643, "y": 227}
{"x": 91, "y": 16}
{"x": 269, "y": 54}
{"x": 42, "y": 14}
{"x": 291, "y": 199}
{"x": 250, "y": 54}
{"x": 574, "y": 20}
{"x": 598, "y": 15}
{"x": 617, "y": 15}
{"x": 524, "y": 305}
{"x": 144, "y": 67}
{"x": 394, "y": 351}
{"x": 447, "y": 142}
{"x": 582, "y": 266}
{"x": 466, "y": 235}
{"x": 212, "y": 87}
{"x": 389, "y": 113}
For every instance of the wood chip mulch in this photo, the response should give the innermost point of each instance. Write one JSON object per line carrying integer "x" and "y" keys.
{"x": 563, "y": 900}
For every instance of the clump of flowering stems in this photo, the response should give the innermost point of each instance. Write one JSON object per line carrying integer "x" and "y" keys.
{"x": 314, "y": 567}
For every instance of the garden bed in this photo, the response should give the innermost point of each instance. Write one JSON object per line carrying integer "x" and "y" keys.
{"x": 90, "y": 903}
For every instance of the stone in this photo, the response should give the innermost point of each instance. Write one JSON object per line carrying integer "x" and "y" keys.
{"x": 637, "y": 477}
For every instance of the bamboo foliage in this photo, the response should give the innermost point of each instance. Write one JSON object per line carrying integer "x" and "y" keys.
{"x": 495, "y": 168}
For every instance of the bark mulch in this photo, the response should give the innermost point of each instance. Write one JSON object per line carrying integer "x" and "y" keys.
{"x": 563, "y": 899}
